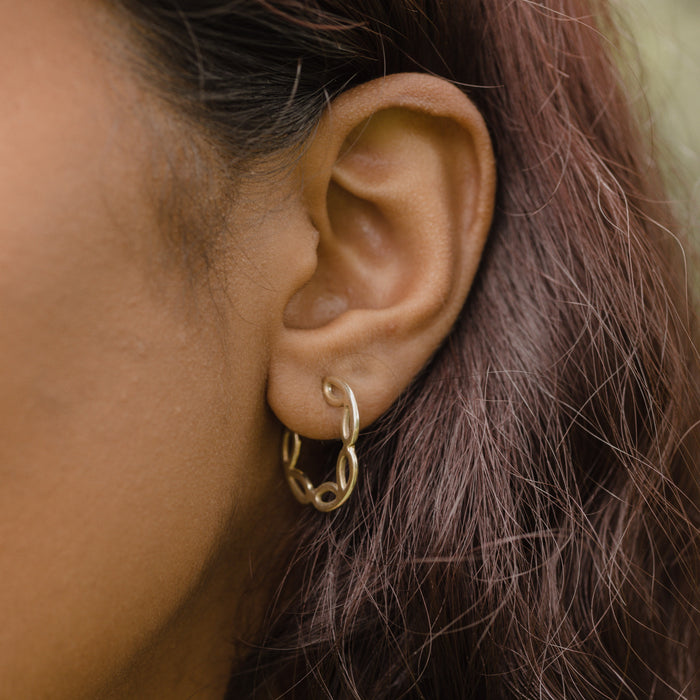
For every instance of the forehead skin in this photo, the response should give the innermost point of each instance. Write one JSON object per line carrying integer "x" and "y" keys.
{"x": 129, "y": 442}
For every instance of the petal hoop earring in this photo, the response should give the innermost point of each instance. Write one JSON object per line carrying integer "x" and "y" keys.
{"x": 330, "y": 494}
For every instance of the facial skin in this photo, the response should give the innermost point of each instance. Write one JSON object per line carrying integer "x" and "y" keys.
{"x": 135, "y": 449}
{"x": 140, "y": 480}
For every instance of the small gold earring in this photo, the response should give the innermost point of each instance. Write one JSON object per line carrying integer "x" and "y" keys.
{"x": 330, "y": 494}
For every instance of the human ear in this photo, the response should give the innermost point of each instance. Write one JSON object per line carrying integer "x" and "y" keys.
{"x": 399, "y": 181}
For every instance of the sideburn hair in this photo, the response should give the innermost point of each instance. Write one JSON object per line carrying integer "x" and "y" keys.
{"x": 526, "y": 524}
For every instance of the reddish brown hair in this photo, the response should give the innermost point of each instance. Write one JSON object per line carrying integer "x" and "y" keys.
{"x": 527, "y": 520}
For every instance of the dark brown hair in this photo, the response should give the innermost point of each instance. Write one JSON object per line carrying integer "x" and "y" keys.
{"x": 527, "y": 520}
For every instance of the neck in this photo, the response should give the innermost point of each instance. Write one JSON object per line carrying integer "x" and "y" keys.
{"x": 192, "y": 656}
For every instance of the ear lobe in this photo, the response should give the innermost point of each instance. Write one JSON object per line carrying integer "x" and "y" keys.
{"x": 399, "y": 180}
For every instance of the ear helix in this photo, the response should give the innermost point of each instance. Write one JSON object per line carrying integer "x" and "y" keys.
{"x": 330, "y": 494}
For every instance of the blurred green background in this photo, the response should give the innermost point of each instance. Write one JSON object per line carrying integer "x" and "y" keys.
{"x": 668, "y": 36}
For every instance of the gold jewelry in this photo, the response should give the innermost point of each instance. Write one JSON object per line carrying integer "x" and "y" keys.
{"x": 337, "y": 393}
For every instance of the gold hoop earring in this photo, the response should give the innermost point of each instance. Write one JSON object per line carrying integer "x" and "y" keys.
{"x": 330, "y": 494}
